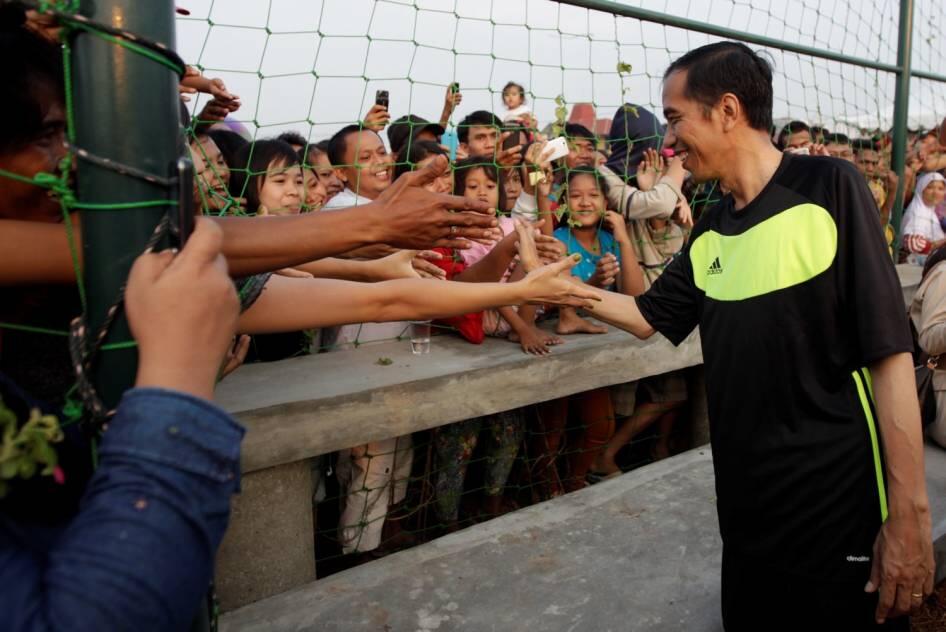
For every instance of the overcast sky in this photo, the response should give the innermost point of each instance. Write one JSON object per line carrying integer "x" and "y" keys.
{"x": 299, "y": 61}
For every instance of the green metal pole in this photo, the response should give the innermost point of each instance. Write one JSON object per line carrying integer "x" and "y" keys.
{"x": 900, "y": 110}
{"x": 126, "y": 109}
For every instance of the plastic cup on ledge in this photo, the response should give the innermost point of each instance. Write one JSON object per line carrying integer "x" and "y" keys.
{"x": 420, "y": 337}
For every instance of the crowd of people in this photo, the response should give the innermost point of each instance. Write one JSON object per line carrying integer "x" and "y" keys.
{"x": 333, "y": 243}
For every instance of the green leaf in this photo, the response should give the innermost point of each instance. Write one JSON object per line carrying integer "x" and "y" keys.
{"x": 47, "y": 455}
{"x": 8, "y": 469}
{"x": 384, "y": 362}
{"x": 630, "y": 109}
{"x": 27, "y": 467}
{"x": 624, "y": 68}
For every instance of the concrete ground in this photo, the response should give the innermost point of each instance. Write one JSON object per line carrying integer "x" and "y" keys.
{"x": 640, "y": 552}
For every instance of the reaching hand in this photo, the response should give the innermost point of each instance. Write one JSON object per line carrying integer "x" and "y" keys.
{"x": 216, "y": 110}
{"x": 183, "y": 87}
{"x": 45, "y": 25}
{"x": 675, "y": 170}
{"x": 554, "y": 284}
{"x": 236, "y": 354}
{"x": 424, "y": 268}
{"x": 451, "y": 100}
{"x": 649, "y": 169}
{"x": 182, "y": 310}
{"x": 548, "y": 249}
{"x": 683, "y": 214}
{"x": 606, "y": 271}
{"x": 377, "y": 118}
{"x": 618, "y": 226}
{"x": 537, "y": 160}
{"x": 817, "y": 149}
{"x": 528, "y": 255}
{"x": 508, "y": 157}
{"x": 892, "y": 181}
{"x": 411, "y": 217}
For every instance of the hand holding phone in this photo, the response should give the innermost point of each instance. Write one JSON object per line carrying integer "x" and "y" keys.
{"x": 381, "y": 98}
{"x": 555, "y": 149}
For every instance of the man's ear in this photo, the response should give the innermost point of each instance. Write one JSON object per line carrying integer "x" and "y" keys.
{"x": 340, "y": 174}
{"x": 730, "y": 110}
{"x": 464, "y": 147}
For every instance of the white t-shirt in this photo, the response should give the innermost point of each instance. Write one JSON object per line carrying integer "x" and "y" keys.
{"x": 364, "y": 332}
{"x": 516, "y": 113}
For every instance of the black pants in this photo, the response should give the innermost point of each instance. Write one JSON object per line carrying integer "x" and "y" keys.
{"x": 758, "y": 598}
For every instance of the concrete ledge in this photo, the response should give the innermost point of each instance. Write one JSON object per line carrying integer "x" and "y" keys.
{"x": 300, "y": 408}
{"x": 641, "y": 552}
{"x": 637, "y": 553}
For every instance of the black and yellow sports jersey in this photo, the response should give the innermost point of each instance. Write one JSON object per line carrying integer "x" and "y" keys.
{"x": 795, "y": 296}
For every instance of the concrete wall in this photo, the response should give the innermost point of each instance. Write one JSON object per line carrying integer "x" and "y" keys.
{"x": 300, "y": 408}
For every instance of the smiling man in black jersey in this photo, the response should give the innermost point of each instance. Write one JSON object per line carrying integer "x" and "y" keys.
{"x": 814, "y": 420}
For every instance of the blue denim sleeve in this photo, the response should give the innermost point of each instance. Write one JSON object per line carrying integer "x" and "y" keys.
{"x": 139, "y": 554}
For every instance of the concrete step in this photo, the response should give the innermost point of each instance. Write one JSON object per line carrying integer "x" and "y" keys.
{"x": 640, "y": 552}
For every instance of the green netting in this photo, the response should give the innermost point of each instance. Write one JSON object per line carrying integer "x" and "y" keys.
{"x": 312, "y": 67}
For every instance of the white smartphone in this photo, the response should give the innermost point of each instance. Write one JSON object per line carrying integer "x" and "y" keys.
{"x": 555, "y": 149}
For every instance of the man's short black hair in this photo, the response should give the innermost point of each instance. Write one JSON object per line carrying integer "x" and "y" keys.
{"x": 338, "y": 144}
{"x": 577, "y": 130}
{"x": 715, "y": 69}
{"x": 836, "y": 139}
{"x": 418, "y": 150}
{"x": 818, "y": 131}
{"x": 792, "y": 127}
{"x": 479, "y": 118}
{"x": 293, "y": 138}
{"x": 864, "y": 144}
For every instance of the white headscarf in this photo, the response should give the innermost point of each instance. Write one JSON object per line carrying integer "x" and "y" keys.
{"x": 919, "y": 218}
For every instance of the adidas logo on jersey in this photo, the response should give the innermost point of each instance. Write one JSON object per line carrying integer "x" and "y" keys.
{"x": 715, "y": 267}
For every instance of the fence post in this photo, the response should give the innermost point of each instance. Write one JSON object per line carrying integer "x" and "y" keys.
{"x": 900, "y": 111}
{"x": 126, "y": 109}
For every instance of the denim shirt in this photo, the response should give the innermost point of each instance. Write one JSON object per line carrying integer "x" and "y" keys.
{"x": 139, "y": 554}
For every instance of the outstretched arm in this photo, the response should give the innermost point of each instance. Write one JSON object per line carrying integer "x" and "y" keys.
{"x": 619, "y": 310}
{"x": 289, "y": 304}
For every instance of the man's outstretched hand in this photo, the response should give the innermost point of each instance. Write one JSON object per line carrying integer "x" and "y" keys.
{"x": 411, "y": 217}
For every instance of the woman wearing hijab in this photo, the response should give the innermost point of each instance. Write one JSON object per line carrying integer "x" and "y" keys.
{"x": 921, "y": 229}
{"x": 634, "y": 131}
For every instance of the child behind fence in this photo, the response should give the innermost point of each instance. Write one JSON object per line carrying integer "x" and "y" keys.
{"x": 585, "y": 198}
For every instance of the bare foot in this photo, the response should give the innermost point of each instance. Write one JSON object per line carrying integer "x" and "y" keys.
{"x": 547, "y": 338}
{"x": 535, "y": 341}
{"x": 569, "y": 322}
